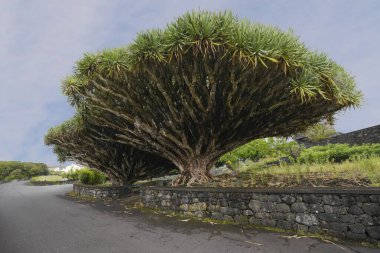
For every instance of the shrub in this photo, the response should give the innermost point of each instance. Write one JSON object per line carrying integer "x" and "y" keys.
{"x": 91, "y": 177}
{"x": 338, "y": 153}
{"x": 71, "y": 175}
{"x": 262, "y": 148}
{"x": 21, "y": 170}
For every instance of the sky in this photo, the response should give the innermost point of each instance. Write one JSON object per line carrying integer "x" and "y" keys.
{"x": 40, "y": 40}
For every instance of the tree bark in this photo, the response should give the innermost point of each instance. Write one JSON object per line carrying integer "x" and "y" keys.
{"x": 195, "y": 171}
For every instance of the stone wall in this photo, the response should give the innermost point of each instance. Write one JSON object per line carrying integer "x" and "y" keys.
{"x": 345, "y": 213}
{"x": 363, "y": 136}
{"x": 101, "y": 191}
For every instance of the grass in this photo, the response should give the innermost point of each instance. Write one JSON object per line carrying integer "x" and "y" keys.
{"x": 366, "y": 168}
{"x": 51, "y": 179}
{"x": 363, "y": 172}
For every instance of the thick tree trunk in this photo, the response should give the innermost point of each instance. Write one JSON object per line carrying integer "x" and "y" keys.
{"x": 196, "y": 171}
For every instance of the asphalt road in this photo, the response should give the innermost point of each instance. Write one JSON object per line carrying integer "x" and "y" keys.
{"x": 41, "y": 219}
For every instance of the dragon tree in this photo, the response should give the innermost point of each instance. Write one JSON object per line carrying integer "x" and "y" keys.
{"x": 79, "y": 141}
{"x": 207, "y": 84}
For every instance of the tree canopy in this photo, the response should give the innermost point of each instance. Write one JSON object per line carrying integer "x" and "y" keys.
{"x": 11, "y": 170}
{"x": 207, "y": 84}
{"x": 78, "y": 140}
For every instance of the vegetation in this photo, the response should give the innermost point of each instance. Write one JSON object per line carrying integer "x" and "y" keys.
{"x": 320, "y": 131}
{"x": 205, "y": 85}
{"x": 80, "y": 141}
{"x": 262, "y": 148}
{"x": 51, "y": 179}
{"x": 338, "y": 153}
{"x": 363, "y": 172}
{"x": 71, "y": 175}
{"x": 14, "y": 170}
{"x": 331, "y": 165}
{"x": 86, "y": 176}
{"x": 91, "y": 177}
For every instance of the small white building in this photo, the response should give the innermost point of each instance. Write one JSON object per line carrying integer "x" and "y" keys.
{"x": 72, "y": 167}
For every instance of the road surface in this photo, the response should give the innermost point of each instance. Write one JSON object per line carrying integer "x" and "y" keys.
{"x": 41, "y": 219}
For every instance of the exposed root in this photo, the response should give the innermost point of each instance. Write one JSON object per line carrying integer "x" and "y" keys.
{"x": 181, "y": 179}
{"x": 188, "y": 178}
{"x": 199, "y": 178}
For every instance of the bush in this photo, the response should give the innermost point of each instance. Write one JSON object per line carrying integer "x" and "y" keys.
{"x": 338, "y": 153}
{"x": 262, "y": 148}
{"x": 91, "y": 177}
{"x": 21, "y": 170}
{"x": 71, "y": 175}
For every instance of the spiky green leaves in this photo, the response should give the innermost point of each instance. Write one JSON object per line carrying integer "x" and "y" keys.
{"x": 223, "y": 36}
{"x": 206, "y": 84}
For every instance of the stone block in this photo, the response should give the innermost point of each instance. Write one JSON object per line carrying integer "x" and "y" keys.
{"x": 255, "y": 205}
{"x": 354, "y": 236}
{"x": 282, "y": 208}
{"x": 254, "y": 220}
{"x": 268, "y": 207}
{"x": 324, "y": 224}
{"x": 348, "y": 200}
{"x": 247, "y": 212}
{"x": 374, "y": 232}
{"x": 274, "y": 198}
{"x": 227, "y": 210}
{"x": 355, "y": 210}
{"x": 200, "y": 214}
{"x": 262, "y": 215}
{"x": 222, "y": 202}
{"x": 290, "y": 217}
{"x": 306, "y": 219}
{"x": 372, "y": 209}
{"x": 348, "y": 218}
{"x": 366, "y": 220}
{"x": 241, "y": 219}
{"x": 332, "y": 200}
{"x": 268, "y": 223}
{"x": 301, "y": 227}
{"x": 328, "y": 209}
{"x": 217, "y": 216}
{"x": 339, "y": 210}
{"x": 245, "y": 196}
{"x": 316, "y": 208}
{"x": 184, "y": 207}
{"x": 288, "y": 199}
{"x": 201, "y": 206}
{"x": 227, "y": 218}
{"x": 362, "y": 198}
{"x": 284, "y": 224}
{"x": 213, "y": 208}
{"x": 329, "y": 217}
{"x": 376, "y": 220}
{"x": 314, "y": 229}
{"x": 337, "y": 226}
{"x": 356, "y": 228}
{"x": 374, "y": 198}
{"x": 311, "y": 199}
{"x": 255, "y": 196}
{"x": 185, "y": 200}
{"x": 299, "y": 207}
{"x": 277, "y": 216}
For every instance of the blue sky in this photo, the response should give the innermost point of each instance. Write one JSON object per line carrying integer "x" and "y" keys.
{"x": 41, "y": 40}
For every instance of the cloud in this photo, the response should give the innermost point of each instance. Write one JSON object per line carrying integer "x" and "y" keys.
{"x": 41, "y": 40}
